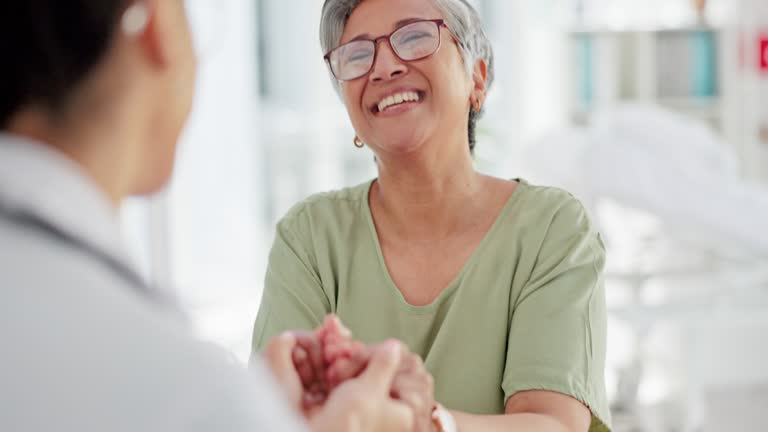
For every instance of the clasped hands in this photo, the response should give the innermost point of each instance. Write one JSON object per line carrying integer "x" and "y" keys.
{"x": 340, "y": 384}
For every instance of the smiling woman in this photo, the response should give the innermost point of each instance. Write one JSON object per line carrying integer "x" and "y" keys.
{"x": 496, "y": 284}
{"x": 460, "y": 21}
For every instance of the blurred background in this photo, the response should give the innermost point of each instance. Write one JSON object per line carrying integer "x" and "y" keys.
{"x": 652, "y": 112}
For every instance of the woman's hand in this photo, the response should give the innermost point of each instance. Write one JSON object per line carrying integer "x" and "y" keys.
{"x": 310, "y": 358}
{"x": 361, "y": 404}
{"x": 364, "y": 404}
{"x": 412, "y": 384}
{"x": 313, "y": 353}
{"x": 324, "y": 360}
{"x": 307, "y": 357}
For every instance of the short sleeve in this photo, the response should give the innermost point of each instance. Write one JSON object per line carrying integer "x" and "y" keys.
{"x": 557, "y": 336}
{"x": 293, "y": 296}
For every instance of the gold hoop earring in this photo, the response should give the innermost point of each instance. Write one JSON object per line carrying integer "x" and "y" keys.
{"x": 358, "y": 142}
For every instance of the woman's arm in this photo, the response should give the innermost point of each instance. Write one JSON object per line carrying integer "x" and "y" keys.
{"x": 531, "y": 411}
{"x": 553, "y": 376}
{"x": 293, "y": 297}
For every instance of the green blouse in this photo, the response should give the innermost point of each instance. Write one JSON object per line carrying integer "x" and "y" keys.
{"x": 526, "y": 312}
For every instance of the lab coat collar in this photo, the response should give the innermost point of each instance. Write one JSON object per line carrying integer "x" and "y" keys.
{"x": 38, "y": 179}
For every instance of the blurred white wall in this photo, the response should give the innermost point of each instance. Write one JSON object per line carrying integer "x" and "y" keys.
{"x": 215, "y": 243}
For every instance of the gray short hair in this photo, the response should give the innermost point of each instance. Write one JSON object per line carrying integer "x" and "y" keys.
{"x": 460, "y": 17}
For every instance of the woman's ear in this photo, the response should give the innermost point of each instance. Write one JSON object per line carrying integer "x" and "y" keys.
{"x": 479, "y": 81}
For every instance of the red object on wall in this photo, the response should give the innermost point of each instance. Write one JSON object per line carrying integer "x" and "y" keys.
{"x": 764, "y": 52}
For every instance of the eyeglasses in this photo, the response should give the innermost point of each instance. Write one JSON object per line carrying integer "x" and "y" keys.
{"x": 412, "y": 41}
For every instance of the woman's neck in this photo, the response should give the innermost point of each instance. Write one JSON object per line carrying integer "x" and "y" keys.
{"x": 427, "y": 195}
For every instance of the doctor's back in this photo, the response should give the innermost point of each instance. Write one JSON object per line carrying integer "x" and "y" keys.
{"x": 93, "y": 95}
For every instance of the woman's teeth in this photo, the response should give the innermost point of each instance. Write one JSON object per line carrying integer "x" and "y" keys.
{"x": 397, "y": 99}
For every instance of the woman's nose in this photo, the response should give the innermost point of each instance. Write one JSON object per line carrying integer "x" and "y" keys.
{"x": 387, "y": 64}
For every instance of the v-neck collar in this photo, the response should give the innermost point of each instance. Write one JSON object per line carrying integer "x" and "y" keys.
{"x": 455, "y": 283}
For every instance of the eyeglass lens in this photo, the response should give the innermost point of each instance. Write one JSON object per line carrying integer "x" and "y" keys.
{"x": 411, "y": 42}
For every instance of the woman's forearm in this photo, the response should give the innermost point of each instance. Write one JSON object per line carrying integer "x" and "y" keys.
{"x": 523, "y": 422}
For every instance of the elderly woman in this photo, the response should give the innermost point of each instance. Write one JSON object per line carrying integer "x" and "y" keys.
{"x": 496, "y": 284}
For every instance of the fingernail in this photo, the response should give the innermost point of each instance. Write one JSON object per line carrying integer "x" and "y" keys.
{"x": 300, "y": 354}
{"x": 342, "y": 328}
{"x": 392, "y": 347}
{"x": 285, "y": 336}
{"x": 336, "y": 321}
{"x": 345, "y": 331}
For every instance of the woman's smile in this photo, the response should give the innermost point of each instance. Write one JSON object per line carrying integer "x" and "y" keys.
{"x": 397, "y": 101}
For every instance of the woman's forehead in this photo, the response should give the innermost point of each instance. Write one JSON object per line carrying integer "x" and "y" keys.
{"x": 374, "y": 18}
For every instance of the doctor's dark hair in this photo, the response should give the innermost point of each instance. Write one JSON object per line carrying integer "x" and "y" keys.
{"x": 48, "y": 48}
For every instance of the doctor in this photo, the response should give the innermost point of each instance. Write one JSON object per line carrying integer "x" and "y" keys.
{"x": 93, "y": 95}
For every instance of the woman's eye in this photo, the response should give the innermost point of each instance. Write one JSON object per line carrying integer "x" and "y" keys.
{"x": 410, "y": 37}
{"x": 354, "y": 57}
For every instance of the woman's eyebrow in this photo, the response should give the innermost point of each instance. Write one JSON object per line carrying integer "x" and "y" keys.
{"x": 402, "y": 22}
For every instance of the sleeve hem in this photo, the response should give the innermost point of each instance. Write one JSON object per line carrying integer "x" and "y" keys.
{"x": 601, "y": 419}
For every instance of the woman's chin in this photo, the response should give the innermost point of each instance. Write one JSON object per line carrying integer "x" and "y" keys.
{"x": 401, "y": 145}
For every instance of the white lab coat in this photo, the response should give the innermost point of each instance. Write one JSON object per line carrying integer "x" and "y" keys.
{"x": 83, "y": 350}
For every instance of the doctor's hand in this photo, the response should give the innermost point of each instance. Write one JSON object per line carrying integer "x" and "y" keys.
{"x": 361, "y": 404}
{"x": 364, "y": 403}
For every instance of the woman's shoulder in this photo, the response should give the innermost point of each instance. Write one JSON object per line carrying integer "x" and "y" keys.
{"x": 545, "y": 196}
{"x": 329, "y": 207}
{"x": 540, "y": 204}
